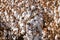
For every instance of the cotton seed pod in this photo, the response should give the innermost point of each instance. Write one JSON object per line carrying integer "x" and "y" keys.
{"x": 22, "y": 9}
{"x": 0, "y": 13}
{"x": 26, "y": 5}
{"x": 7, "y": 17}
{"x": 19, "y": 4}
{"x": 59, "y": 9}
{"x": 5, "y": 12}
{"x": 22, "y": 31}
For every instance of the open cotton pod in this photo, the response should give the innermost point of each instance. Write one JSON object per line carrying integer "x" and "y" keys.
{"x": 59, "y": 9}
{"x": 22, "y": 31}
{"x": 7, "y": 17}
{"x": 0, "y": 12}
{"x": 32, "y": 7}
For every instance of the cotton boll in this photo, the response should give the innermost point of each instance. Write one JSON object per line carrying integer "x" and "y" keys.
{"x": 27, "y": 28}
{"x": 19, "y": 4}
{"x": 35, "y": 24}
{"x": 43, "y": 32}
{"x": 26, "y": 18}
{"x": 59, "y": 9}
{"x": 20, "y": 18}
{"x": 36, "y": 17}
{"x": 11, "y": 18}
{"x": 12, "y": 28}
{"x": 56, "y": 37}
{"x": 15, "y": 14}
{"x": 35, "y": 14}
{"x": 21, "y": 25}
{"x": 32, "y": 21}
{"x": 22, "y": 31}
{"x": 12, "y": 10}
{"x": 7, "y": 17}
{"x": 28, "y": 14}
{"x": 41, "y": 18}
{"x": 12, "y": 2}
{"x": 24, "y": 14}
{"x": 30, "y": 32}
{"x": 4, "y": 19}
{"x": 12, "y": 23}
{"x": 27, "y": 4}
{"x": 32, "y": 7}
{"x": 15, "y": 29}
{"x": 49, "y": 28}
{"x": 59, "y": 20}
{"x": 16, "y": 0}
{"x": 39, "y": 7}
{"x": 0, "y": 13}
{"x": 22, "y": 2}
{"x": 5, "y": 12}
